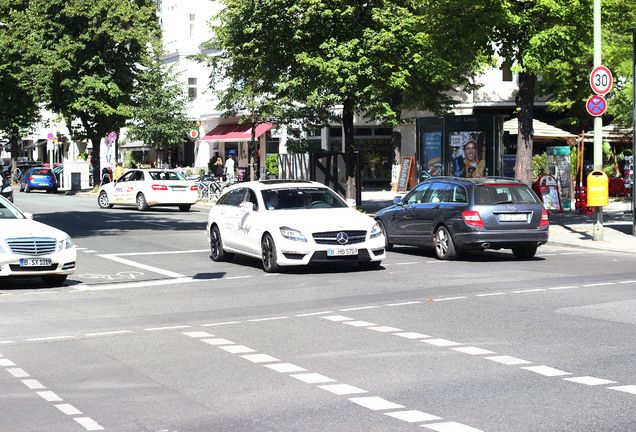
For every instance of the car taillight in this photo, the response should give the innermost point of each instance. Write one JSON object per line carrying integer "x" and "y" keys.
{"x": 472, "y": 218}
{"x": 160, "y": 187}
{"x": 193, "y": 188}
{"x": 31, "y": 178}
{"x": 544, "y": 218}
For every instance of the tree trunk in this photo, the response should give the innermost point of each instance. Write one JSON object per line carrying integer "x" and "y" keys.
{"x": 350, "y": 150}
{"x": 15, "y": 137}
{"x": 525, "y": 105}
{"x": 95, "y": 135}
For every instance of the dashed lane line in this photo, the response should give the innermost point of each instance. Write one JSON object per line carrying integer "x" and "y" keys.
{"x": 507, "y": 360}
{"x": 88, "y": 423}
{"x": 331, "y": 385}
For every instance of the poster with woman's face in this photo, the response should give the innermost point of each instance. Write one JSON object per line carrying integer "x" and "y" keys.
{"x": 468, "y": 150}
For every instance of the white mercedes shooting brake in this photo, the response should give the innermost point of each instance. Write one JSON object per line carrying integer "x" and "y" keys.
{"x": 292, "y": 223}
{"x": 33, "y": 249}
{"x": 149, "y": 187}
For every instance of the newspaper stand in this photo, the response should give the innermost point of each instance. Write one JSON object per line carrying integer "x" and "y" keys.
{"x": 547, "y": 189}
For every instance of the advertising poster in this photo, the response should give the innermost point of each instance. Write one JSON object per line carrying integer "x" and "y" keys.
{"x": 432, "y": 153}
{"x": 468, "y": 154}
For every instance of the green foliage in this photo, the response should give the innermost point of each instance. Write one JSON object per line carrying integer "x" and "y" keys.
{"x": 160, "y": 105}
{"x": 539, "y": 165}
{"x": 271, "y": 164}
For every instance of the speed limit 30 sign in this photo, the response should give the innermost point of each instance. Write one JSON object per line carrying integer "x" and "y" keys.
{"x": 601, "y": 80}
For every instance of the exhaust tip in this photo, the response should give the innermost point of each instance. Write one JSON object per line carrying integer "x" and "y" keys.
{"x": 485, "y": 245}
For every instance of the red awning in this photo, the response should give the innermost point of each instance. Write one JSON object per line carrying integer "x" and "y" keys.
{"x": 235, "y": 132}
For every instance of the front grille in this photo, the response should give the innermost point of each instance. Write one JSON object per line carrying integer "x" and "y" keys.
{"x": 16, "y": 268}
{"x": 32, "y": 246}
{"x": 329, "y": 237}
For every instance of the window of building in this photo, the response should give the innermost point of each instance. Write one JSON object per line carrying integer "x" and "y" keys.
{"x": 192, "y": 89}
{"x": 192, "y": 26}
{"x": 506, "y": 71}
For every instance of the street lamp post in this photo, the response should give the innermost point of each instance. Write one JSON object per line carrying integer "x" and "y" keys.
{"x": 633, "y": 31}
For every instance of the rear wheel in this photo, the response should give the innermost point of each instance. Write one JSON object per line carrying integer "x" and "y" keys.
{"x": 102, "y": 200}
{"x": 268, "y": 248}
{"x": 444, "y": 245}
{"x": 525, "y": 252}
{"x": 184, "y": 207}
{"x": 141, "y": 202}
{"x": 53, "y": 280}
{"x": 216, "y": 246}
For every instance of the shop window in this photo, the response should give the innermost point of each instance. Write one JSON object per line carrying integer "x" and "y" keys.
{"x": 384, "y": 132}
{"x": 363, "y": 132}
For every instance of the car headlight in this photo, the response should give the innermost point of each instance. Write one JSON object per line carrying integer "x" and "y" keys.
{"x": 375, "y": 231}
{"x": 64, "y": 244}
{"x": 292, "y": 234}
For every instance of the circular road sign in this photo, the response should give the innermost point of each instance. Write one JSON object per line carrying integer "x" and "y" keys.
{"x": 596, "y": 105}
{"x": 112, "y": 136}
{"x": 50, "y": 136}
{"x": 601, "y": 80}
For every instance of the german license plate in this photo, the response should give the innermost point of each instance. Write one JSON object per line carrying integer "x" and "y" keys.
{"x": 513, "y": 217}
{"x": 342, "y": 252}
{"x": 178, "y": 188}
{"x": 35, "y": 262}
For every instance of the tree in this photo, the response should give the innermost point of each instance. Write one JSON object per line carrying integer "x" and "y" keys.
{"x": 86, "y": 56}
{"x": 19, "y": 110}
{"x": 377, "y": 58}
{"x": 566, "y": 80}
{"x": 160, "y": 105}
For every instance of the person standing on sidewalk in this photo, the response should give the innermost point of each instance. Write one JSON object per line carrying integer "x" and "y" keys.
{"x": 229, "y": 168}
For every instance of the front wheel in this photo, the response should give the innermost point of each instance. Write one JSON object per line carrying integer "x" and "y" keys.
{"x": 444, "y": 245}
{"x": 53, "y": 280}
{"x": 268, "y": 248}
{"x": 217, "y": 253}
{"x": 142, "y": 205}
{"x": 525, "y": 252}
{"x": 369, "y": 265}
{"x": 102, "y": 200}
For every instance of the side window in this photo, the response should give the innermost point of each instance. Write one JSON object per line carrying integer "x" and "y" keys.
{"x": 417, "y": 195}
{"x": 458, "y": 194}
{"x": 235, "y": 197}
{"x": 126, "y": 177}
{"x": 139, "y": 175}
{"x": 438, "y": 192}
{"x": 251, "y": 197}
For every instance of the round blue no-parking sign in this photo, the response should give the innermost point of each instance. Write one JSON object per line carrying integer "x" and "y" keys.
{"x": 596, "y": 105}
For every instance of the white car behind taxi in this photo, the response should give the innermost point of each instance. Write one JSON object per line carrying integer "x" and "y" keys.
{"x": 33, "y": 249}
{"x": 292, "y": 223}
{"x": 144, "y": 188}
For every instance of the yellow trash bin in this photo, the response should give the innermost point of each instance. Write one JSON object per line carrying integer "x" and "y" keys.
{"x": 597, "y": 189}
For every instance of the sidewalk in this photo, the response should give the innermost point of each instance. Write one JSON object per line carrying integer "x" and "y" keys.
{"x": 571, "y": 229}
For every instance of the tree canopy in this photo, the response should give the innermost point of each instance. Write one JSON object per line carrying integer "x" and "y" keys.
{"x": 86, "y": 55}
{"x": 304, "y": 58}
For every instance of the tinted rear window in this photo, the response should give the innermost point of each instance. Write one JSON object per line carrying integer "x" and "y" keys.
{"x": 504, "y": 193}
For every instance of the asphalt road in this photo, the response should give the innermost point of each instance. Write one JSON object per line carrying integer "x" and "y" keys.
{"x": 151, "y": 335}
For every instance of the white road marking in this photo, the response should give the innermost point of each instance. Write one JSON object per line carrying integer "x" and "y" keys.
{"x": 33, "y": 384}
{"x": 342, "y": 389}
{"x": 591, "y": 381}
{"x": 407, "y": 263}
{"x": 599, "y": 284}
{"x": 375, "y": 403}
{"x": 402, "y": 304}
{"x": 412, "y": 335}
{"x": 268, "y": 319}
{"x": 412, "y": 416}
{"x": 158, "y": 270}
{"x": 358, "y": 308}
{"x": 314, "y": 313}
{"x": 18, "y": 373}
{"x": 564, "y": 287}
{"x": 49, "y": 396}
{"x": 199, "y": 334}
{"x": 238, "y": 277}
{"x": 508, "y": 360}
{"x": 217, "y": 341}
{"x": 137, "y": 284}
{"x": 628, "y": 282}
{"x": 6, "y": 362}
{"x": 473, "y": 350}
{"x": 285, "y": 367}
{"x": 88, "y": 423}
{"x": 312, "y": 378}
{"x": 108, "y": 333}
{"x": 627, "y": 389}
{"x": 449, "y": 298}
{"x": 528, "y": 291}
{"x": 167, "y": 328}
{"x": 489, "y": 294}
{"x": 546, "y": 371}
{"x": 6, "y": 342}
{"x": 220, "y": 323}
{"x": 260, "y": 358}
{"x": 49, "y": 338}
{"x": 68, "y": 409}
{"x": 237, "y": 349}
{"x": 440, "y": 342}
{"x": 359, "y": 323}
{"x": 162, "y": 252}
{"x": 450, "y": 427}
{"x": 337, "y": 318}
{"x": 384, "y": 329}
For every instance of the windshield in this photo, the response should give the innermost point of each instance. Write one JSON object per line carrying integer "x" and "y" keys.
{"x": 301, "y": 198}
{"x": 7, "y": 211}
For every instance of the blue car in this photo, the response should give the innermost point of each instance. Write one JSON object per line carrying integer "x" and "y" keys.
{"x": 38, "y": 178}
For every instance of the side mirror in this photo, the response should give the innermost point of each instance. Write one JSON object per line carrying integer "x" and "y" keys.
{"x": 397, "y": 200}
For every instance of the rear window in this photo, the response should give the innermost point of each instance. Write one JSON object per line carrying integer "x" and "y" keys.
{"x": 43, "y": 171}
{"x": 165, "y": 175}
{"x": 504, "y": 194}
